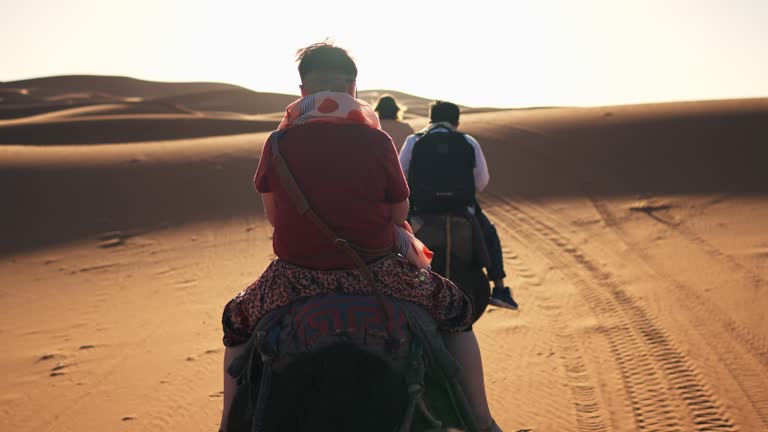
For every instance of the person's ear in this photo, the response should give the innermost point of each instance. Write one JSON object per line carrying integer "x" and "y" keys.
{"x": 352, "y": 88}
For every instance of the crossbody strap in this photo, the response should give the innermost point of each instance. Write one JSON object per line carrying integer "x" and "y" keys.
{"x": 301, "y": 203}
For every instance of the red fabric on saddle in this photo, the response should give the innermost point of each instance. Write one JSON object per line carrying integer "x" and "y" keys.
{"x": 331, "y": 315}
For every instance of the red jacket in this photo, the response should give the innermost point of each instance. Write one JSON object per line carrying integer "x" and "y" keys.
{"x": 351, "y": 176}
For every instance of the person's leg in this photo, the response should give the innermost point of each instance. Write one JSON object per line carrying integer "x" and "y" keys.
{"x": 493, "y": 243}
{"x": 464, "y": 348}
{"x": 501, "y": 295}
{"x": 230, "y": 383}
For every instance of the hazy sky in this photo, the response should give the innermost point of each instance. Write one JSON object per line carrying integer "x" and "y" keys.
{"x": 504, "y": 53}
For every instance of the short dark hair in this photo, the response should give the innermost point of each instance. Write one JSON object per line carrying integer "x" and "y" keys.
{"x": 387, "y": 107}
{"x": 440, "y": 111}
{"x": 325, "y": 58}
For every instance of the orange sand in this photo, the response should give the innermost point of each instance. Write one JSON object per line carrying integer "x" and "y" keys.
{"x": 635, "y": 237}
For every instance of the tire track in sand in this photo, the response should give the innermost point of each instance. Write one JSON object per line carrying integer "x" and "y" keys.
{"x": 742, "y": 352}
{"x": 658, "y": 378}
{"x": 590, "y": 414}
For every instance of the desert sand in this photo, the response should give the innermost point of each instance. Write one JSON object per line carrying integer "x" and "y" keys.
{"x": 635, "y": 239}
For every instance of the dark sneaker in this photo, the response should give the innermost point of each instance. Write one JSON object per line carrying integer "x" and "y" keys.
{"x": 502, "y": 297}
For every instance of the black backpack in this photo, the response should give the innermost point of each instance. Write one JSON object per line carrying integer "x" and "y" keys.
{"x": 441, "y": 173}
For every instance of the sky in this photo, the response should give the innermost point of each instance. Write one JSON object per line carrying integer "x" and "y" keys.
{"x": 499, "y": 53}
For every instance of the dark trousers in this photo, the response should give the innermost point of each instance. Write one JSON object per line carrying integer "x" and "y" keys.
{"x": 492, "y": 242}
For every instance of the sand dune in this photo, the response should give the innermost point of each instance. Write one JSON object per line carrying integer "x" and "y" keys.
{"x": 119, "y": 109}
{"x": 703, "y": 147}
{"x": 634, "y": 237}
{"x": 113, "y": 85}
{"x": 127, "y": 128}
{"x": 20, "y": 97}
{"x": 232, "y": 100}
{"x": 106, "y": 109}
{"x": 93, "y": 190}
{"x": 10, "y": 95}
{"x": 20, "y": 111}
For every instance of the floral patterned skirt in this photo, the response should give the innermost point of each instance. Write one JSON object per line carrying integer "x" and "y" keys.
{"x": 283, "y": 283}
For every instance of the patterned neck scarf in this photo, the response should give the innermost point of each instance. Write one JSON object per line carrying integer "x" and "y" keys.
{"x": 438, "y": 125}
{"x": 330, "y": 107}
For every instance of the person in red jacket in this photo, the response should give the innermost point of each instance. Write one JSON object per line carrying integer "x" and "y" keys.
{"x": 348, "y": 169}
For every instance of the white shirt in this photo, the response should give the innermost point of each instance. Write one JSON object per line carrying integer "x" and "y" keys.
{"x": 481, "y": 167}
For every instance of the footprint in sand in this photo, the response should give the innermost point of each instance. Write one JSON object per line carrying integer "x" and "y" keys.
{"x": 192, "y": 358}
{"x": 165, "y": 271}
{"x": 51, "y": 356}
{"x": 186, "y": 283}
{"x": 112, "y": 239}
{"x": 92, "y": 268}
{"x": 58, "y": 370}
{"x": 59, "y": 366}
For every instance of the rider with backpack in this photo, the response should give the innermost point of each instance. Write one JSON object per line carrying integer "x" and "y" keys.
{"x": 445, "y": 168}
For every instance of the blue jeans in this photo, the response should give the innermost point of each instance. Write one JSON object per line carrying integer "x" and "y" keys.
{"x": 492, "y": 242}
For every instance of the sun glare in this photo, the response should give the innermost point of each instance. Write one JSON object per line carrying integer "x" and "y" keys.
{"x": 480, "y": 53}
